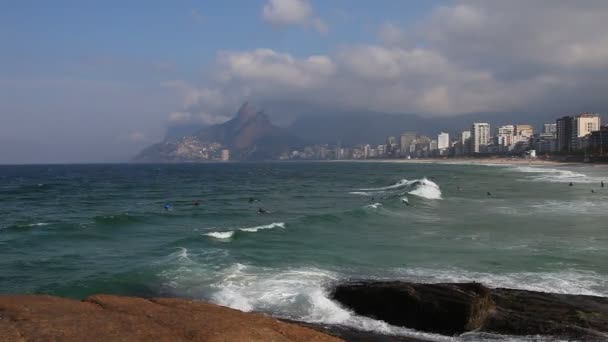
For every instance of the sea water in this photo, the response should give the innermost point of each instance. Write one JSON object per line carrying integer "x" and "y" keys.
{"x": 76, "y": 230}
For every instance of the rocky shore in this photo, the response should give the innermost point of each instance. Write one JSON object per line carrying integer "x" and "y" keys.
{"x": 456, "y": 308}
{"x": 112, "y": 318}
{"x": 449, "y": 309}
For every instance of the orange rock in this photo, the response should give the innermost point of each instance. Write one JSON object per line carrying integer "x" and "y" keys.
{"x": 113, "y": 318}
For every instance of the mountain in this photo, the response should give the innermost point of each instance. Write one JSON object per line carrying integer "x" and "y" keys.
{"x": 248, "y": 136}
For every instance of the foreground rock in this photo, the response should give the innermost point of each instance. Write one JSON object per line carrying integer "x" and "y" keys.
{"x": 113, "y": 318}
{"x": 452, "y": 309}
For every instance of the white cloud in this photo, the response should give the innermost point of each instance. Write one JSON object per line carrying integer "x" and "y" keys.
{"x": 469, "y": 56}
{"x": 292, "y": 12}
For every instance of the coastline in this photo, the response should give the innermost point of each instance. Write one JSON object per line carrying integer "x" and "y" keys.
{"x": 469, "y": 161}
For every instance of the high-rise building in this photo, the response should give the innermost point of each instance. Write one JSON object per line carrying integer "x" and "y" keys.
{"x": 465, "y": 142}
{"x": 505, "y": 135}
{"x": 433, "y": 145}
{"x": 407, "y": 139}
{"x": 367, "y": 151}
{"x": 570, "y": 130}
{"x": 524, "y": 131}
{"x": 480, "y": 136}
{"x": 550, "y": 128}
{"x": 563, "y": 132}
{"x": 583, "y": 125}
{"x": 443, "y": 141}
{"x": 225, "y": 155}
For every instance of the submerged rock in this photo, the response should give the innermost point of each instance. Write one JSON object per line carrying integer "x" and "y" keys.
{"x": 455, "y": 308}
{"x": 113, "y": 318}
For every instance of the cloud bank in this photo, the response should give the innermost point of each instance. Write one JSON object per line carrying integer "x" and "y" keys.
{"x": 468, "y": 56}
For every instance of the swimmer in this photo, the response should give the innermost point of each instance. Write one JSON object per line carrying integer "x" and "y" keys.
{"x": 262, "y": 211}
{"x": 489, "y": 193}
{"x": 195, "y": 203}
{"x": 602, "y": 184}
{"x": 168, "y": 207}
{"x": 570, "y": 184}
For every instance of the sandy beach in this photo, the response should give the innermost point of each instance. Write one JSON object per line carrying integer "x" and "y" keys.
{"x": 467, "y": 161}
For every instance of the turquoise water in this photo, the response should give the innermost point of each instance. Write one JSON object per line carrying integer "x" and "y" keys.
{"x": 75, "y": 230}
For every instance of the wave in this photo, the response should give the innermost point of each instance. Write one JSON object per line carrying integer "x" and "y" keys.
{"x": 26, "y": 225}
{"x": 400, "y": 184}
{"x": 361, "y": 193}
{"x": 303, "y": 293}
{"x": 221, "y": 235}
{"x": 297, "y": 294}
{"x": 225, "y": 235}
{"x": 268, "y": 226}
{"x": 424, "y": 188}
{"x": 374, "y": 206}
{"x": 565, "y": 282}
{"x": 556, "y": 175}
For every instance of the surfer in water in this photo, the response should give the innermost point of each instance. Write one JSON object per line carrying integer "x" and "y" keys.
{"x": 405, "y": 201}
{"x": 570, "y": 184}
{"x": 195, "y": 203}
{"x": 262, "y": 211}
{"x": 602, "y": 184}
{"x": 168, "y": 207}
{"x": 489, "y": 193}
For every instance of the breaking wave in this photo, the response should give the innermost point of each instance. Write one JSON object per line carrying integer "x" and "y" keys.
{"x": 221, "y": 235}
{"x": 424, "y": 188}
{"x": 374, "y": 206}
{"x": 303, "y": 293}
{"x": 268, "y": 226}
{"x": 225, "y": 235}
{"x": 555, "y": 175}
{"x": 297, "y": 294}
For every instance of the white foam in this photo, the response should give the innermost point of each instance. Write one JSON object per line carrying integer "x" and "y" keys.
{"x": 221, "y": 235}
{"x": 556, "y": 175}
{"x": 295, "y": 294}
{"x": 418, "y": 187}
{"x": 374, "y": 206}
{"x": 427, "y": 189}
{"x": 268, "y": 226}
{"x": 360, "y": 193}
{"x": 400, "y": 184}
{"x": 38, "y": 224}
{"x": 565, "y": 282}
{"x": 300, "y": 293}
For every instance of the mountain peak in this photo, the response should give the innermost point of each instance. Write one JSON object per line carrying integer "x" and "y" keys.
{"x": 247, "y": 111}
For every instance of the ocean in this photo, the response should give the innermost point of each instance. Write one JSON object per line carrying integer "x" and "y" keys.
{"x": 132, "y": 229}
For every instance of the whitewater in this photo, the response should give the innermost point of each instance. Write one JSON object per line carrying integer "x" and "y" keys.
{"x": 103, "y": 229}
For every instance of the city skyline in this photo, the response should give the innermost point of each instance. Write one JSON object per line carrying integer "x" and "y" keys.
{"x": 97, "y": 82}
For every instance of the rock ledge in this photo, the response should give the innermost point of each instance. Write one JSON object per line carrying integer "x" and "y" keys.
{"x": 114, "y": 318}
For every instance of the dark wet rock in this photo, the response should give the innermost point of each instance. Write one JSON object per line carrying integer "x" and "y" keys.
{"x": 455, "y": 308}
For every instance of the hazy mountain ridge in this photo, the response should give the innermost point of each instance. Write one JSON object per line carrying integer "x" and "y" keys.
{"x": 248, "y": 136}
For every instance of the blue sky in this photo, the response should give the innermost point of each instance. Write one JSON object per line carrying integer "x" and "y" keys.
{"x": 99, "y": 80}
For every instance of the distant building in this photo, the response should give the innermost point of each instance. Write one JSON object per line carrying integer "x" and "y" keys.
{"x": 465, "y": 142}
{"x": 480, "y": 137}
{"x": 225, "y": 156}
{"x": 571, "y": 130}
{"x": 367, "y": 151}
{"x": 407, "y": 139}
{"x": 433, "y": 145}
{"x": 505, "y": 136}
{"x": 523, "y": 131}
{"x": 550, "y": 128}
{"x": 598, "y": 141}
{"x": 443, "y": 141}
{"x": 563, "y": 130}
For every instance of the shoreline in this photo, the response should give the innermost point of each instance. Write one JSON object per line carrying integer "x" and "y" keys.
{"x": 466, "y": 161}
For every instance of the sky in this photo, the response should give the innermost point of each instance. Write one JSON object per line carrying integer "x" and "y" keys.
{"x": 96, "y": 81}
